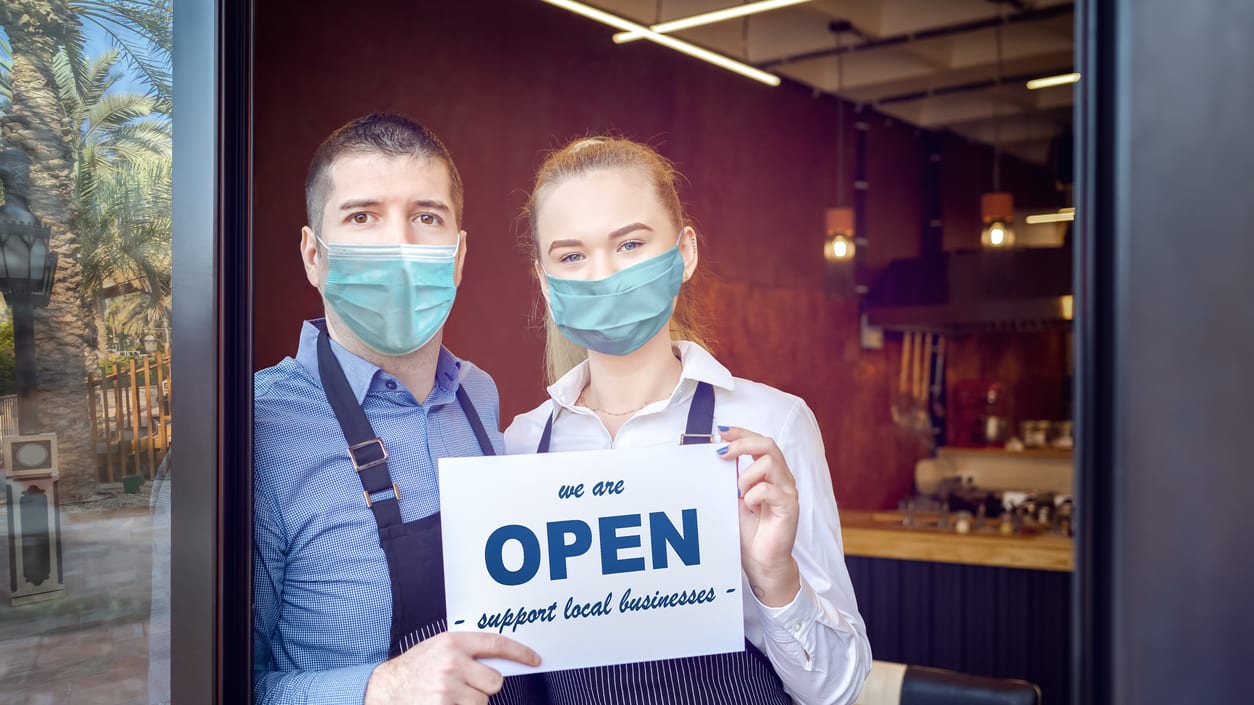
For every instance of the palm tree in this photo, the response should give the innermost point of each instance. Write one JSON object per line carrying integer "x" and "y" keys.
{"x": 125, "y": 233}
{"x": 122, "y": 200}
{"x": 35, "y": 121}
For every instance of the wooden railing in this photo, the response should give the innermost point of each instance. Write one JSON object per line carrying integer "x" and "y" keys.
{"x": 130, "y": 417}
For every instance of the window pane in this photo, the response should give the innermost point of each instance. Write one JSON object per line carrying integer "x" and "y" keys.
{"x": 85, "y": 386}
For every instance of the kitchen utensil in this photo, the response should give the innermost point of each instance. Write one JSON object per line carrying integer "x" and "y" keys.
{"x": 938, "y": 383}
{"x": 901, "y": 402}
{"x": 922, "y": 419}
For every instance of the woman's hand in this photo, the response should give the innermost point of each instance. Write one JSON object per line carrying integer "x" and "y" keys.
{"x": 768, "y": 516}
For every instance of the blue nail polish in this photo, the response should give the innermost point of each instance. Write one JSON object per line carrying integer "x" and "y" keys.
{"x": 723, "y": 428}
{"x": 722, "y": 451}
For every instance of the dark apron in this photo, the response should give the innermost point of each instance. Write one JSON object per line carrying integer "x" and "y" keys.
{"x": 738, "y": 678}
{"x": 414, "y": 550}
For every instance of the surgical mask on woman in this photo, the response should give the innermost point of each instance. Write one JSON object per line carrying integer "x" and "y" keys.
{"x": 620, "y": 313}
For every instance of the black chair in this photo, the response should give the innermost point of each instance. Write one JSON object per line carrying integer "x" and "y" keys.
{"x": 899, "y": 684}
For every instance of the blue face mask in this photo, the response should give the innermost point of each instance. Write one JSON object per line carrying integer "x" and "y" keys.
{"x": 394, "y": 298}
{"x": 618, "y": 314}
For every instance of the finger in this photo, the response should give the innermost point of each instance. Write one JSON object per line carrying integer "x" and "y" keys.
{"x": 765, "y": 496}
{"x": 766, "y": 469}
{"x": 484, "y": 679}
{"x": 482, "y": 645}
{"x": 735, "y": 433}
{"x": 755, "y": 446}
{"x": 467, "y": 695}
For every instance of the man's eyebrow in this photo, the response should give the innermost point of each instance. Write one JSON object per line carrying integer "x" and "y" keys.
{"x": 426, "y": 203}
{"x": 354, "y": 204}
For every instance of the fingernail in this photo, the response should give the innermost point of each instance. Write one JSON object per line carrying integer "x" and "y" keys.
{"x": 723, "y": 428}
{"x": 722, "y": 451}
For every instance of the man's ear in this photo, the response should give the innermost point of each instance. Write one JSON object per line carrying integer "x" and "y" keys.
{"x": 544, "y": 282}
{"x": 461, "y": 258}
{"x": 309, "y": 256}
{"x": 688, "y": 250}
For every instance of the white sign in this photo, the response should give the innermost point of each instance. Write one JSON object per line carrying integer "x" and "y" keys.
{"x": 595, "y": 557}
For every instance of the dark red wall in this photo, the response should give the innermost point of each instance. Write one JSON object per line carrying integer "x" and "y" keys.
{"x": 500, "y": 81}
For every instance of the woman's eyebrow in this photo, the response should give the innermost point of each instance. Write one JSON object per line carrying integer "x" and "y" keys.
{"x": 619, "y": 232}
{"x": 627, "y": 229}
{"x": 564, "y": 243}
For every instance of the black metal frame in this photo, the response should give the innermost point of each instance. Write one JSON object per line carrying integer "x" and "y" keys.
{"x": 212, "y": 329}
{"x": 235, "y": 296}
{"x": 1095, "y": 353}
{"x": 1163, "y": 335}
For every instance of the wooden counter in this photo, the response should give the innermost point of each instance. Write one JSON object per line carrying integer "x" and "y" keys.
{"x": 878, "y": 535}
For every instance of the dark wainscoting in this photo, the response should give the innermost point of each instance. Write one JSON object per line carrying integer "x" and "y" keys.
{"x": 1001, "y": 622}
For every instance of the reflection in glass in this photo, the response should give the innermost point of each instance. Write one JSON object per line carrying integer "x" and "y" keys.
{"x": 85, "y": 226}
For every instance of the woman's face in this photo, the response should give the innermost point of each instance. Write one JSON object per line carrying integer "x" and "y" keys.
{"x": 591, "y": 226}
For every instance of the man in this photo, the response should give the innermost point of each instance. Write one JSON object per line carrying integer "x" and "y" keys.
{"x": 348, "y": 574}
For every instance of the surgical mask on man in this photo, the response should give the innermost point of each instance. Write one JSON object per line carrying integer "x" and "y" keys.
{"x": 393, "y": 297}
{"x": 620, "y": 313}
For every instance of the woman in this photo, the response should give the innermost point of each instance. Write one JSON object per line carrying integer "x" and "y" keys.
{"x": 612, "y": 250}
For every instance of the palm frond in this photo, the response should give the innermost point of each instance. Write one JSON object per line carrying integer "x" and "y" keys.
{"x": 115, "y": 110}
{"x": 73, "y": 49}
{"x": 142, "y": 31}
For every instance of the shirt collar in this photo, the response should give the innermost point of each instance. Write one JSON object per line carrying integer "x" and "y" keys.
{"x": 362, "y": 374}
{"x": 698, "y": 366}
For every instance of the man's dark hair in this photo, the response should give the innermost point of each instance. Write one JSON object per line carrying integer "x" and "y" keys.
{"x": 376, "y": 133}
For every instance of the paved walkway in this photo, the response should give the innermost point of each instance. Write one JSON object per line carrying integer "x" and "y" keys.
{"x": 100, "y": 642}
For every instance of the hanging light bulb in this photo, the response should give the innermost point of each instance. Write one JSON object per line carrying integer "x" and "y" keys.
{"x": 997, "y": 208}
{"x": 998, "y": 214}
{"x": 839, "y": 245}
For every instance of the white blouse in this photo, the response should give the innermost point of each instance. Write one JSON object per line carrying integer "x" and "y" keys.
{"x": 818, "y": 642}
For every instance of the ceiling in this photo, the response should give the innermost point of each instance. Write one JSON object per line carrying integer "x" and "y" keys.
{"x": 931, "y": 63}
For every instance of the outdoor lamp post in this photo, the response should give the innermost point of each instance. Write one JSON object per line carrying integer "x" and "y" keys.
{"x": 30, "y": 458}
{"x": 27, "y": 265}
{"x": 150, "y": 343}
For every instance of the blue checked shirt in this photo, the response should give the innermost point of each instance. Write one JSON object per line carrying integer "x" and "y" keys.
{"x": 322, "y": 601}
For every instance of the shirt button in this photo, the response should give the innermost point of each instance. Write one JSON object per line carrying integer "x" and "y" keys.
{"x": 796, "y": 629}
{"x": 391, "y": 384}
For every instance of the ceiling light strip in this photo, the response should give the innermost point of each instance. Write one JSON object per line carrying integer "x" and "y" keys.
{"x": 705, "y": 18}
{"x": 670, "y": 42}
{"x": 1061, "y": 79}
{"x": 1065, "y": 215}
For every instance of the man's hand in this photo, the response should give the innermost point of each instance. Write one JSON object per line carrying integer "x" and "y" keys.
{"x": 442, "y": 670}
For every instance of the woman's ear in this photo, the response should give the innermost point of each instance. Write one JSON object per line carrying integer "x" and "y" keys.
{"x": 688, "y": 250}
{"x": 544, "y": 281}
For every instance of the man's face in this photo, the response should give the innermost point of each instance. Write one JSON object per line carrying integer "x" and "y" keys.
{"x": 383, "y": 200}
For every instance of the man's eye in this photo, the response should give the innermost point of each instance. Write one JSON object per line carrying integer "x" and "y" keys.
{"x": 359, "y": 218}
{"x": 429, "y": 219}
{"x": 570, "y": 258}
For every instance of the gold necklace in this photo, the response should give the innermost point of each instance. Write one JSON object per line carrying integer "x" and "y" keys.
{"x": 580, "y": 402}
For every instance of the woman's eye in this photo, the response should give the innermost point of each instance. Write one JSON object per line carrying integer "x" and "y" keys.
{"x": 629, "y": 245}
{"x": 570, "y": 258}
{"x": 429, "y": 219}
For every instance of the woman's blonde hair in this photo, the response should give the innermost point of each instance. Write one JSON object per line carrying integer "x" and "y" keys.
{"x": 584, "y": 156}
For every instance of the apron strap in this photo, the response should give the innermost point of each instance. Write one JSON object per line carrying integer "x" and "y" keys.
{"x": 476, "y": 424}
{"x": 700, "y": 417}
{"x": 700, "y": 420}
{"x": 365, "y": 449}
